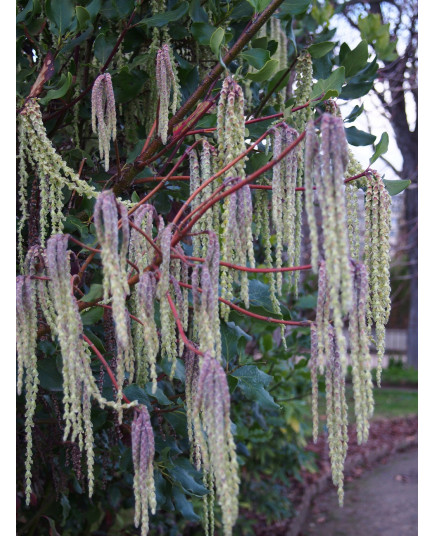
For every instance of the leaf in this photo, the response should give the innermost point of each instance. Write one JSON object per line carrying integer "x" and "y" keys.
{"x": 92, "y": 316}
{"x": 135, "y": 392}
{"x": 216, "y": 40}
{"x": 252, "y": 383}
{"x": 196, "y": 12}
{"x": 266, "y": 72}
{"x": 259, "y": 295}
{"x": 354, "y": 114}
{"x": 359, "y": 137}
{"x": 95, "y": 292}
{"x": 380, "y": 148}
{"x": 183, "y": 505}
{"x": 306, "y": 302}
{"x": 231, "y": 335}
{"x": 83, "y": 17}
{"x": 202, "y": 32}
{"x": 256, "y": 57}
{"x": 161, "y": 19}
{"x": 332, "y": 85}
{"x": 66, "y": 82}
{"x": 49, "y": 376}
{"x": 294, "y": 7}
{"x": 52, "y": 524}
{"x": 128, "y": 85}
{"x": 321, "y": 49}
{"x": 396, "y": 186}
{"x": 259, "y": 5}
{"x": 103, "y": 47}
{"x": 94, "y": 339}
{"x": 355, "y": 60}
{"x": 159, "y": 395}
{"x": 187, "y": 476}
{"x": 62, "y": 14}
{"x": 93, "y": 8}
{"x": 22, "y": 14}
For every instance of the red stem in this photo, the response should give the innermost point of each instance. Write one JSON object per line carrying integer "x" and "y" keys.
{"x": 187, "y": 342}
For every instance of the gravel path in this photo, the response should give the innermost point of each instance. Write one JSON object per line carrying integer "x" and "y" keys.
{"x": 383, "y": 502}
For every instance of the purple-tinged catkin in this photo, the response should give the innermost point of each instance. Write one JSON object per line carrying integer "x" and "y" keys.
{"x": 167, "y": 81}
{"x": 143, "y": 450}
{"x": 311, "y": 178}
{"x": 212, "y": 411}
{"x": 104, "y": 115}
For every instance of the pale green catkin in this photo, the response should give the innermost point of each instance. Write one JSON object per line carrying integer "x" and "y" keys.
{"x": 237, "y": 239}
{"x": 377, "y": 259}
{"x": 167, "y": 84}
{"x": 311, "y": 178}
{"x": 300, "y": 118}
{"x": 352, "y": 202}
{"x": 37, "y": 153}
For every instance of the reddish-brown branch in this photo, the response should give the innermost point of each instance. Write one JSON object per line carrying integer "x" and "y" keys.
{"x": 256, "y": 270}
{"x": 187, "y": 342}
{"x": 105, "y": 364}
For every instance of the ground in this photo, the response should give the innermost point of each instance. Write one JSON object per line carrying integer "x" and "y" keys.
{"x": 383, "y": 502}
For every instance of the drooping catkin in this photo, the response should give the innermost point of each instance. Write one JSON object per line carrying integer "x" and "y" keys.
{"x": 311, "y": 178}
{"x": 143, "y": 450}
{"x": 192, "y": 367}
{"x": 300, "y": 118}
{"x": 284, "y": 198}
{"x": 37, "y": 153}
{"x": 104, "y": 115}
{"x": 167, "y": 82}
{"x": 360, "y": 355}
{"x": 237, "y": 239}
{"x": 205, "y": 303}
{"x": 217, "y": 446}
{"x": 115, "y": 282}
{"x": 27, "y": 326}
{"x": 377, "y": 260}
{"x": 352, "y": 202}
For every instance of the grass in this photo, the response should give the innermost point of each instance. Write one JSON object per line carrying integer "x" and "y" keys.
{"x": 389, "y": 403}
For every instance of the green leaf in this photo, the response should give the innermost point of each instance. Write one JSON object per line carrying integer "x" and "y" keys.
{"x": 135, "y": 392}
{"x": 128, "y": 85}
{"x": 380, "y": 148}
{"x": 83, "y": 17}
{"x": 306, "y": 302}
{"x": 202, "y": 32}
{"x": 161, "y": 19}
{"x": 94, "y": 293}
{"x": 183, "y": 505}
{"x": 158, "y": 395}
{"x": 259, "y": 295}
{"x": 354, "y": 114}
{"x": 49, "y": 376}
{"x": 94, "y": 339}
{"x": 256, "y": 57}
{"x": 22, "y": 14}
{"x": 92, "y": 316}
{"x": 397, "y": 186}
{"x": 196, "y": 12}
{"x": 266, "y": 72}
{"x": 65, "y": 82}
{"x": 321, "y": 49}
{"x": 103, "y": 47}
{"x": 62, "y": 14}
{"x": 355, "y": 60}
{"x": 293, "y": 7}
{"x": 358, "y": 137}
{"x": 93, "y": 8}
{"x": 231, "y": 336}
{"x": 259, "y": 5}
{"x": 216, "y": 40}
{"x": 252, "y": 383}
{"x": 331, "y": 86}
{"x": 187, "y": 476}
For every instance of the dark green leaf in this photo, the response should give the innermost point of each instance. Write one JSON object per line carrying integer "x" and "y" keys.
{"x": 259, "y": 295}
{"x": 22, "y": 14}
{"x": 252, "y": 383}
{"x": 92, "y": 316}
{"x": 321, "y": 49}
{"x": 103, "y": 47}
{"x": 94, "y": 339}
{"x": 354, "y": 90}
{"x": 93, "y": 8}
{"x": 259, "y": 5}
{"x": 355, "y": 60}
{"x": 187, "y": 476}
{"x": 293, "y": 7}
{"x": 202, "y": 32}
{"x": 266, "y": 72}
{"x": 306, "y": 302}
{"x": 196, "y": 12}
{"x": 354, "y": 114}
{"x": 183, "y": 505}
{"x": 380, "y": 148}
{"x": 158, "y": 395}
{"x": 83, "y": 17}
{"x": 333, "y": 84}
{"x": 397, "y": 186}
{"x": 49, "y": 376}
{"x": 128, "y": 85}
{"x": 62, "y": 14}
{"x": 256, "y": 57}
{"x": 134, "y": 392}
{"x": 161, "y": 19}
{"x": 358, "y": 137}
{"x": 94, "y": 293}
{"x": 232, "y": 335}
{"x": 65, "y": 82}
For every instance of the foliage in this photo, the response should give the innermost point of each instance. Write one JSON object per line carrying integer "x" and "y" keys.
{"x": 136, "y": 124}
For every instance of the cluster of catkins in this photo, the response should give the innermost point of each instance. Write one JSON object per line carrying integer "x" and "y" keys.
{"x": 104, "y": 115}
{"x": 346, "y": 286}
{"x": 37, "y": 155}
